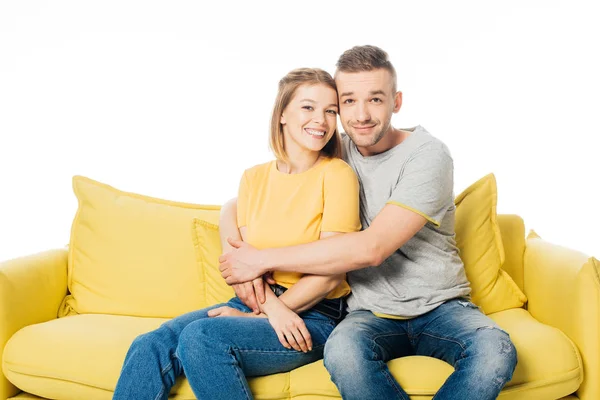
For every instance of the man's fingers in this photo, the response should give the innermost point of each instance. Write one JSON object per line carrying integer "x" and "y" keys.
{"x": 251, "y": 297}
{"x": 240, "y": 291}
{"x": 259, "y": 289}
{"x": 269, "y": 278}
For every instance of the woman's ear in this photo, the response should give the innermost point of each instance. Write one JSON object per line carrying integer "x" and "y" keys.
{"x": 282, "y": 119}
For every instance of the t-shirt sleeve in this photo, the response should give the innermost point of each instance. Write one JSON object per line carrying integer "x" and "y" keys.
{"x": 242, "y": 201}
{"x": 426, "y": 184}
{"x": 341, "y": 200}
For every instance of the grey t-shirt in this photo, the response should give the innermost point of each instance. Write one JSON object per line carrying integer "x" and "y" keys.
{"x": 427, "y": 270}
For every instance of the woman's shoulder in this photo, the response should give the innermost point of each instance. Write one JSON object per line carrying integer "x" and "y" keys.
{"x": 338, "y": 166}
{"x": 258, "y": 170}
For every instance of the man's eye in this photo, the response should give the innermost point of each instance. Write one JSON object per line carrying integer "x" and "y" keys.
{"x": 348, "y": 101}
{"x": 376, "y": 100}
{"x": 309, "y": 108}
{"x": 332, "y": 112}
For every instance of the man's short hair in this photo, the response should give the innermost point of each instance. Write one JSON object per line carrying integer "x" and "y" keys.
{"x": 365, "y": 58}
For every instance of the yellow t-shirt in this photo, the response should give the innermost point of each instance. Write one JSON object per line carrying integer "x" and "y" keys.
{"x": 281, "y": 209}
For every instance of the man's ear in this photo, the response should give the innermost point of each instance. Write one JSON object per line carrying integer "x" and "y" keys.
{"x": 397, "y": 101}
{"x": 282, "y": 119}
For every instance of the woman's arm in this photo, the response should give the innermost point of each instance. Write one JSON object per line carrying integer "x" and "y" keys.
{"x": 251, "y": 293}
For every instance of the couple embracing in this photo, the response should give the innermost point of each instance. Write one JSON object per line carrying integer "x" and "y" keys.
{"x": 341, "y": 248}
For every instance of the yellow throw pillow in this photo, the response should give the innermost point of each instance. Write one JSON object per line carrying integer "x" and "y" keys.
{"x": 132, "y": 255}
{"x": 207, "y": 242}
{"x": 480, "y": 243}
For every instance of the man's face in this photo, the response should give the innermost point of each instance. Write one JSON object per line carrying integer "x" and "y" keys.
{"x": 367, "y": 102}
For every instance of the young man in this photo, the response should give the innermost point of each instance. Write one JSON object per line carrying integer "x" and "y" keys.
{"x": 409, "y": 288}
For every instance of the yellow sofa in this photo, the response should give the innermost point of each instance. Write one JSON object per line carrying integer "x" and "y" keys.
{"x": 66, "y": 324}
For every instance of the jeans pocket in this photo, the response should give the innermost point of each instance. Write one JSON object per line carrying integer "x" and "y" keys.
{"x": 468, "y": 303}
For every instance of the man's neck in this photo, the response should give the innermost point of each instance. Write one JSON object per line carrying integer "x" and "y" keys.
{"x": 392, "y": 138}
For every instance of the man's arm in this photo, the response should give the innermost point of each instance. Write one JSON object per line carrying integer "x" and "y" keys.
{"x": 304, "y": 294}
{"x": 389, "y": 231}
{"x": 311, "y": 289}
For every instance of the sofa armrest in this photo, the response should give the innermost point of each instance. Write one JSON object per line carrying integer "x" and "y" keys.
{"x": 563, "y": 288}
{"x": 31, "y": 291}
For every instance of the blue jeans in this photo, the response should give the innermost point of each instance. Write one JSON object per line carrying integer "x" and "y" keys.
{"x": 215, "y": 354}
{"x": 457, "y": 332}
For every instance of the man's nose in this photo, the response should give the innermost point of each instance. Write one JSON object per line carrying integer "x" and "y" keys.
{"x": 362, "y": 113}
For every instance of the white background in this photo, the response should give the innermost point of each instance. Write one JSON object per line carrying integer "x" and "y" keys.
{"x": 173, "y": 99}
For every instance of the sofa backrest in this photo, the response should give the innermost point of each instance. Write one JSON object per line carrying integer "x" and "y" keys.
{"x": 512, "y": 228}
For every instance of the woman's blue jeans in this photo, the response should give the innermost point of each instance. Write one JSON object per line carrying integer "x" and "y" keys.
{"x": 481, "y": 353}
{"x": 215, "y": 354}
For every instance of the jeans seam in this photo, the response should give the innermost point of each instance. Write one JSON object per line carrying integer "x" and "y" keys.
{"x": 277, "y": 351}
{"x": 462, "y": 345}
{"x": 166, "y": 369}
{"x": 391, "y": 380}
{"x": 160, "y": 394}
{"x": 240, "y": 379}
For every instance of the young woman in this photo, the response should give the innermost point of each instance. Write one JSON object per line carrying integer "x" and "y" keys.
{"x": 307, "y": 193}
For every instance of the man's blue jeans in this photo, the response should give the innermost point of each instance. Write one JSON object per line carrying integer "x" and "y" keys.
{"x": 457, "y": 332}
{"x": 215, "y": 354}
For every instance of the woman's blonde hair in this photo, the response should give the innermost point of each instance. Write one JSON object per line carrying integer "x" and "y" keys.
{"x": 287, "y": 87}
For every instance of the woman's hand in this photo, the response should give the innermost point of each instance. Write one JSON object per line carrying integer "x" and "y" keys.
{"x": 226, "y": 311}
{"x": 290, "y": 328}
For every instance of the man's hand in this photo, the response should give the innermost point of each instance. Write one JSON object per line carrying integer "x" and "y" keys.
{"x": 251, "y": 293}
{"x": 240, "y": 265}
{"x": 290, "y": 328}
{"x": 226, "y": 311}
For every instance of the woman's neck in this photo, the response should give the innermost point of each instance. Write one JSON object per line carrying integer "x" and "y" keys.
{"x": 298, "y": 161}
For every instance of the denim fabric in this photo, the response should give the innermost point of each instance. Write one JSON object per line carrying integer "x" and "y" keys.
{"x": 457, "y": 332}
{"x": 215, "y": 354}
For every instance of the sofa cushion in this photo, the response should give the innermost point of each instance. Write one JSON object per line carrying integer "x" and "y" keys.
{"x": 80, "y": 357}
{"x": 479, "y": 240}
{"x": 130, "y": 253}
{"x": 549, "y": 365}
{"x": 207, "y": 243}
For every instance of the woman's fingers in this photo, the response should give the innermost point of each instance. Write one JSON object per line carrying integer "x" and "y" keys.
{"x": 215, "y": 312}
{"x": 292, "y": 341}
{"x": 282, "y": 339}
{"x": 306, "y": 335}
{"x": 300, "y": 340}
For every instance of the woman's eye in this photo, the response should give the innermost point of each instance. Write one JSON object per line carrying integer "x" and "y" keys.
{"x": 348, "y": 101}
{"x": 309, "y": 108}
{"x": 333, "y": 112}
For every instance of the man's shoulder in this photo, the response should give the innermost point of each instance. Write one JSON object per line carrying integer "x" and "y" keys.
{"x": 428, "y": 145}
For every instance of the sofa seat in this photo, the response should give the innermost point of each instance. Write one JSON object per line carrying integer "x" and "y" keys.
{"x": 80, "y": 357}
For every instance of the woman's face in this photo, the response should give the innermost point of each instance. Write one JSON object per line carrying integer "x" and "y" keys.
{"x": 310, "y": 118}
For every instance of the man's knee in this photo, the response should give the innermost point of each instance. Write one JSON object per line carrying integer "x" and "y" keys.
{"x": 496, "y": 354}
{"x": 346, "y": 345}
